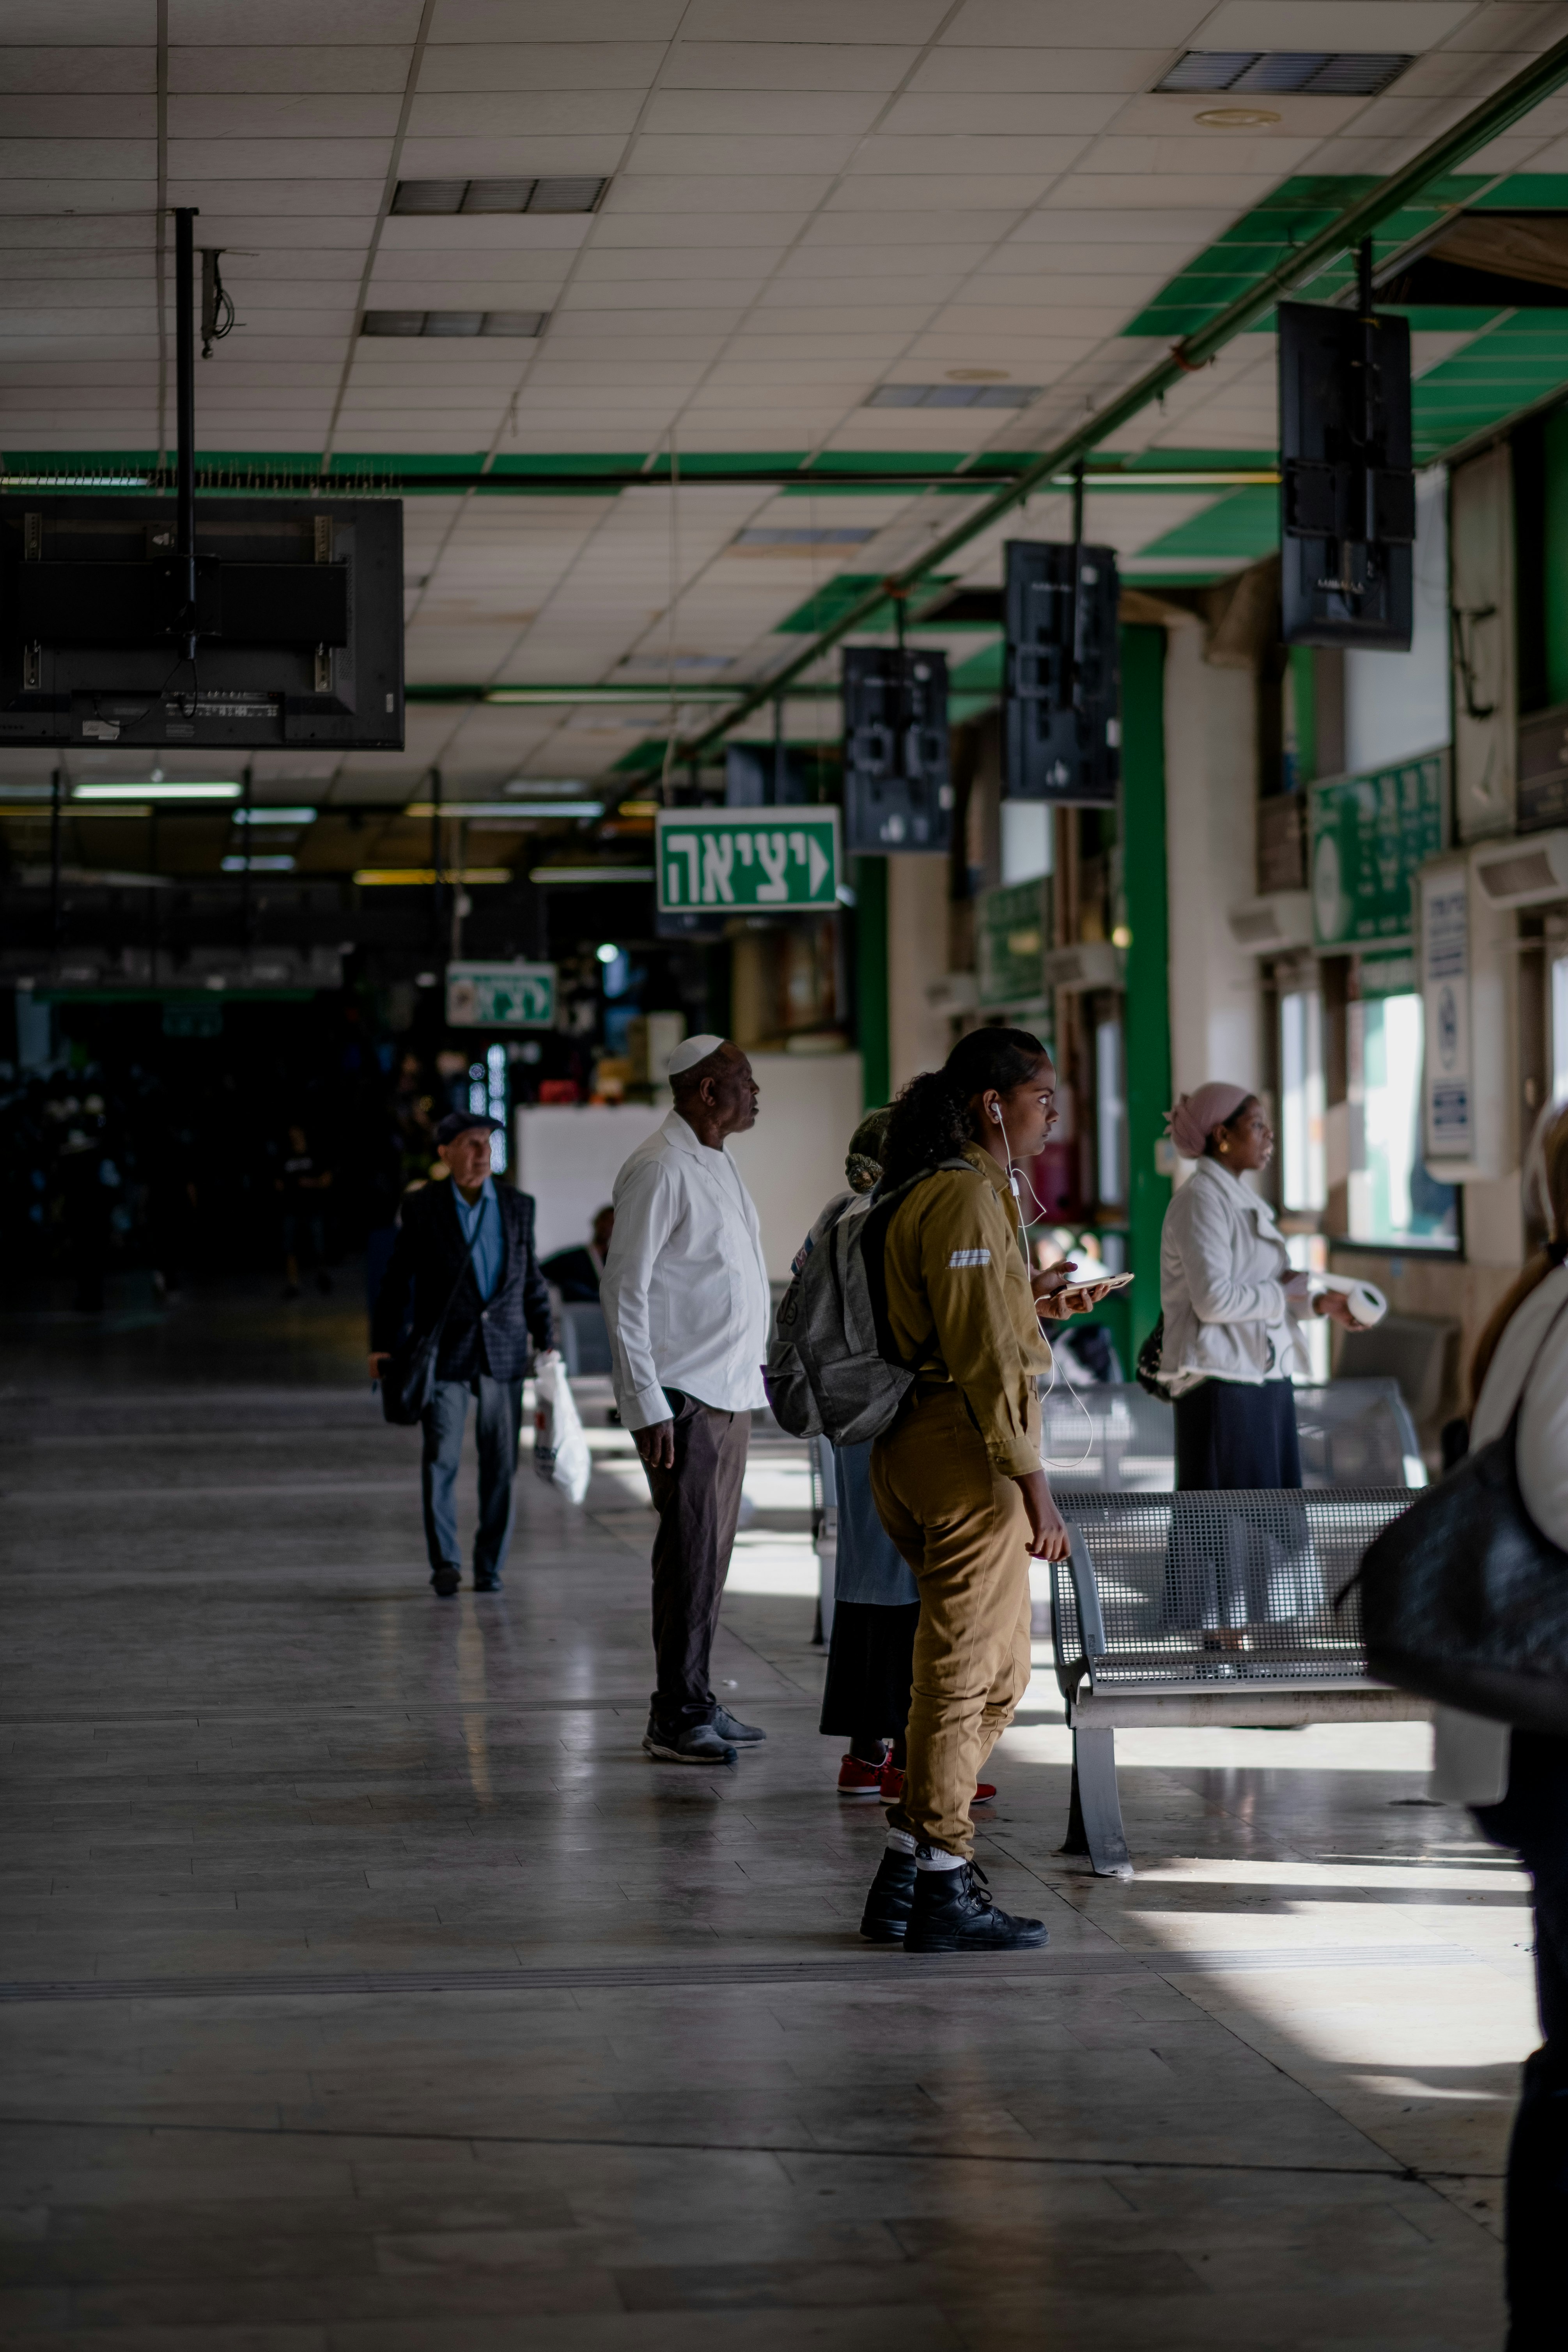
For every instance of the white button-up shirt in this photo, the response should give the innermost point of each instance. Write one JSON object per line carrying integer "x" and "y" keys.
{"x": 685, "y": 1286}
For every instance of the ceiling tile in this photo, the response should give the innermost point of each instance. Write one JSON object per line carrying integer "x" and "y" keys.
{"x": 1053, "y": 70}
{"x": 541, "y": 64}
{"x": 509, "y": 116}
{"x": 294, "y": 24}
{"x": 361, "y": 68}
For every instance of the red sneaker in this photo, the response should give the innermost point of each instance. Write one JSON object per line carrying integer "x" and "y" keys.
{"x": 858, "y": 1779}
{"x": 893, "y": 1786}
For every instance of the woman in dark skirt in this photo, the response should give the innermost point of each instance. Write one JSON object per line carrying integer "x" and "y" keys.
{"x": 1232, "y": 1309}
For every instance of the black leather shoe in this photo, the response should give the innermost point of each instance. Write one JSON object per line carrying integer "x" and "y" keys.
{"x": 697, "y": 1743}
{"x": 887, "y": 1912}
{"x": 446, "y": 1579}
{"x": 952, "y": 1911}
{"x": 487, "y": 1584}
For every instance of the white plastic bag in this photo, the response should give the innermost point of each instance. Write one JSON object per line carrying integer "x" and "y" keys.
{"x": 560, "y": 1449}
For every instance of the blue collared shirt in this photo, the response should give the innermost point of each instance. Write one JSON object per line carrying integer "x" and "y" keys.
{"x": 490, "y": 1250}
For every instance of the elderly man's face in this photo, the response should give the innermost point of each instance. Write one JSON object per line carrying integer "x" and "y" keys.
{"x": 468, "y": 1156}
{"x": 734, "y": 1092}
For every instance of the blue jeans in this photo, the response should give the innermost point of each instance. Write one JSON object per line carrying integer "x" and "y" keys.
{"x": 496, "y": 1431}
{"x": 1534, "y": 1816}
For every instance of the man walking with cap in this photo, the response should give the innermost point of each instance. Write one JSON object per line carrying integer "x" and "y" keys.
{"x": 470, "y": 1242}
{"x": 685, "y": 1293}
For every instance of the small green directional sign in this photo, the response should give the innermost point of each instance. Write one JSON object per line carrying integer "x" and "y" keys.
{"x": 501, "y": 995}
{"x": 770, "y": 860}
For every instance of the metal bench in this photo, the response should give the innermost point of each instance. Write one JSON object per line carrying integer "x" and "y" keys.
{"x": 1120, "y": 1439}
{"x": 1208, "y": 1609}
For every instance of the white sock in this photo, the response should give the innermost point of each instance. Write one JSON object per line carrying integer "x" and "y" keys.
{"x": 900, "y": 1841}
{"x": 936, "y": 1857}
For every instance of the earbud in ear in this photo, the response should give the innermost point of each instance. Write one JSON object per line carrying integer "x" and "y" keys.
{"x": 996, "y": 1114}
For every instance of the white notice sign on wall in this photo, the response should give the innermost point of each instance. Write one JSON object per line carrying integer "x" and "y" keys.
{"x": 1448, "y": 1087}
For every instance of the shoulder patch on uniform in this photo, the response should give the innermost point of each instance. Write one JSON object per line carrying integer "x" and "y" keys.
{"x": 969, "y": 1257}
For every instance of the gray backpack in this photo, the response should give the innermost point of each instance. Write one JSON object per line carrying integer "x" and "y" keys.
{"x": 832, "y": 1370}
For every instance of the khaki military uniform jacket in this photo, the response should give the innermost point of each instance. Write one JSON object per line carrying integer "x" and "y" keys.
{"x": 959, "y": 1308}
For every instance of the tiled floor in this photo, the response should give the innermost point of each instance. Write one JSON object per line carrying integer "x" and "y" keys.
{"x": 609, "y": 2069}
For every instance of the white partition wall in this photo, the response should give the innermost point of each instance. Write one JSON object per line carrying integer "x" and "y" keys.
{"x": 793, "y": 1159}
{"x": 568, "y": 1156}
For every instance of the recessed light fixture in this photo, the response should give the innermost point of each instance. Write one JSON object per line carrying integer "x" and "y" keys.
{"x": 1236, "y": 118}
{"x": 275, "y": 816}
{"x": 964, "y": 392}
{"x": 592, "y": 874}
{"x": 442, "y": 198}
{"x": 412, "y": 877}
{"x": 406, "y": 323}
{"x": 156, "y": 790}
{"x": 270, "y": 864}
{"x": 1324, "y": 73}
{"x": 853, "y": 536}
{"x": 519, "y": 811}
{"x": 564, "y": 785}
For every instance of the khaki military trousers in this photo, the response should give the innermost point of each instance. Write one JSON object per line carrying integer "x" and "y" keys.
{"x": 962, "y": 1526}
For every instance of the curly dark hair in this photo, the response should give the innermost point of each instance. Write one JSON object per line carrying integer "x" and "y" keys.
{"x": 930, "y": 1120}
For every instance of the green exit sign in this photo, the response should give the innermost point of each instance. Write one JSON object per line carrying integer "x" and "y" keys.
{"x": 770, "y": 859}
{"x": 501, "y": 995}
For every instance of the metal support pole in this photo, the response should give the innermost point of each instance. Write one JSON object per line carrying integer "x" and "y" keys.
{"x": 435, "y": 940}
{"x": 781, "y": 757}
{"x": 185, "y": 426}
{"x": 245, "y": 811}
{"x": 56, "y": 782}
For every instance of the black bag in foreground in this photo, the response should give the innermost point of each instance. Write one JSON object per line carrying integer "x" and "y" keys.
{"x": 1464, "y": 1600}
{"x": 408, "y": 1375}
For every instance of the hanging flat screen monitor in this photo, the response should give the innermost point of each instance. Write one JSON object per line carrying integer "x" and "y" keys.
{"x": 898, "y": 792}
{"x": 1347, "y": 491}
{"x": 298, "y": 623}
{"x": 1061, "y": 703}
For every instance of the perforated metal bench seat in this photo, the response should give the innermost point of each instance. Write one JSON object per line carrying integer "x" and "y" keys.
{"x": 1208, "y": 1609}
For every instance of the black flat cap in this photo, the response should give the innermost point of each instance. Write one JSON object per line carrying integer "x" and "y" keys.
{"x": 457, "y": 1122}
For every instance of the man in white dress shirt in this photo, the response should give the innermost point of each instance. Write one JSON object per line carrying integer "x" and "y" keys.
{"x": 685, "y": 1293}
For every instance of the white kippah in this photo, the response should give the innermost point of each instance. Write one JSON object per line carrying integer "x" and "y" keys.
{"x": 693, "y": 1051}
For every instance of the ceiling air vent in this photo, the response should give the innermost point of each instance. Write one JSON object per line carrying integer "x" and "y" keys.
{"x": 444, "y": 198}
{"x": 454, "y": 322}
{"x": 1323, "y": 73}
{"x": 952, "y": 396}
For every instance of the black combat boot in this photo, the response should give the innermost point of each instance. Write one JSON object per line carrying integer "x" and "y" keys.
{"x": 887, "y": 1912}
{"x": 952, "y": 1911}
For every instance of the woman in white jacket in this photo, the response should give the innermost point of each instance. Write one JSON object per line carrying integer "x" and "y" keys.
{"x": 1231, "y": 1302}
{"x": 1521, "y": 1366}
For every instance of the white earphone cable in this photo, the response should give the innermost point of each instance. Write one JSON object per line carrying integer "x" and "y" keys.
{"x": 1013, "y": 1172}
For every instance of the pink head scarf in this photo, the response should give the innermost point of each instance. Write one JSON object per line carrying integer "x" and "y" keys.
{"x": 1197, "y": 1115}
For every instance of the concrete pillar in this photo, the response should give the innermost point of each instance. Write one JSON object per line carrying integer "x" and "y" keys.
{"x": 919, "y": 1038}
{"x": 1211, "y": 806}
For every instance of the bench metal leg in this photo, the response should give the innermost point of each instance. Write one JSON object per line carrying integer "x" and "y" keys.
{"x": 1094, "y": 1818}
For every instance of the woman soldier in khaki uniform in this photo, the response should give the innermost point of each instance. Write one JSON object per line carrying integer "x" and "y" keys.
{"x": 957, "y": 1480}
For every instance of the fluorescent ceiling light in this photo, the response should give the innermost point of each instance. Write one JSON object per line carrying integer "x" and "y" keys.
{"x": 74, "y": 481}
{"x": 454, "y": 322}
{"x": 44, "y": 793}
{"x": 410, "y": 878}
{"x": 952, "y": 396}
{"x": 519, "y": 812}
{"x": 155, "y": 791}
{"x": 442, "y": 198}
{"x": 1324, "y": 73}
{"x": 259, "y": 866}
{"x": 592, "y": 874}
{"x": 796, "y": 536}
{"x": 275, "y": 816}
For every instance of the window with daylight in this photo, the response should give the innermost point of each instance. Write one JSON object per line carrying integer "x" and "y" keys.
{"x": 1303, "y": 1181}
{"x": 1393, "y": 1203}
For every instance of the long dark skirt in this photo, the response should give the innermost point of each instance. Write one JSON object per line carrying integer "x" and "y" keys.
{"x": 870, "y": 1667}
{"x": 1226, "y": 1573}
{"x": 1230, "y": 1435}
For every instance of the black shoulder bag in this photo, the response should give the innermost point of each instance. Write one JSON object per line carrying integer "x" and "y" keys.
{"x": 408, "y": 1375}
{"x": 1466, "y": 1601}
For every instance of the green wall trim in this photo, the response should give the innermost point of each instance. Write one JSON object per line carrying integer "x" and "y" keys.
{"x": 1148, "y": 961}
{"x": 869, "y": 879}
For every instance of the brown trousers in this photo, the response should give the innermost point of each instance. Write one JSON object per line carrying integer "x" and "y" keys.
{"x": 699, "y": 1502}
{"x": 961, "y": 1524}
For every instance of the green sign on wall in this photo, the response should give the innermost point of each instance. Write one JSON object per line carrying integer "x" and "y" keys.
{"x": 770, "y": 859}
{"x": 1370, "y": 834}
{"x": 1013, "y": 930}
{"x": 501, "y": 995}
